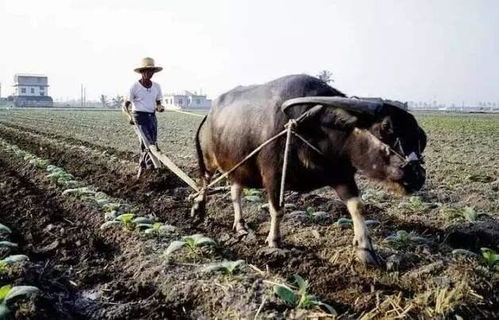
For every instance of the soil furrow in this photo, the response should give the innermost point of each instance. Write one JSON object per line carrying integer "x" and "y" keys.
{"x": 72, "y": 258}
{"x": 328, "y": 266}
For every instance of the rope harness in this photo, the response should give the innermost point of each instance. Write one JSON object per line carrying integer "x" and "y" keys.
{"x": 288, "y": 131}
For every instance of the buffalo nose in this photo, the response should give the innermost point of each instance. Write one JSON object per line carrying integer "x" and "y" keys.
{"x": 415, "y": 177}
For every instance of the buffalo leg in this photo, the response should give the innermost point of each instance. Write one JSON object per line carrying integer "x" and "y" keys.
{"x": 362, "y": 242}
{"x": 235, "y": 192}
{"x": 276, "y": 213}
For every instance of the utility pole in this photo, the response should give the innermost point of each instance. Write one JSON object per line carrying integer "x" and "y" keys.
{"x": 83, "y": 96}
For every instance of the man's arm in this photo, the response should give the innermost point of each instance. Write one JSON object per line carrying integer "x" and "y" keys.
{"x": 159, "y": 97}
{"x": 127, "y": 104}
{"x": 126, "y": 110}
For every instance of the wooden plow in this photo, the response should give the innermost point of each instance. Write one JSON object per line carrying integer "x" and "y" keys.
{"x": 158, "y": 158}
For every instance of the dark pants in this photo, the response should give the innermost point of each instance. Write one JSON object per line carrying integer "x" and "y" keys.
{"x": 148, "y": 123}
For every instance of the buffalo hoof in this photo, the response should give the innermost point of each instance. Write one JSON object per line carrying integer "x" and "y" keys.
{"x": 240, "y": 229}
{"x": 364, "y": 251}
{"x": 273, "y": 252}
{"x": 198, "y": 211}
{"x": 368, "y": 256}
{"x": 273, "y": 242}
{"x": 241, "y": 233}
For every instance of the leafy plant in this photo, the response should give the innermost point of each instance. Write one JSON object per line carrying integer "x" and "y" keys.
{"x": 34, "y": 160}
{"x": 111, "y": 206}
{"x": 467, "y": 213}
{"x": 313, "y": 215}
{"x": 128, "y": 221}
{"x": 110, "y": 215}
{"x": 15, "y": 258}
{"x": 39, "y": 163}
{"x": 344, "y": 223}
{"x": 490, "y": 258}
{"x": 156, "y": 229}
{"x": 79, "y": 192}
{"x": 191, "y": 242}
{"x": 59, "y": 176}
{"x": 403, "y": 239}
{"x": 416, "y": 204}
{"x": 9, "y": 293}
{"x": 12, "y": 259}
{"x": 4, "y": 229}
{"x": 8, "y": 244}
{"x": 480, "y": 177}
{"x": 226, "y": 267}
{"x": 300, "y": 298}
{"x": 253, "y": 195}
{"x": 371, "y": 223}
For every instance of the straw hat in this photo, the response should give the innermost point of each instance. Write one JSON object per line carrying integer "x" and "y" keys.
{"x": 147, "y": 63}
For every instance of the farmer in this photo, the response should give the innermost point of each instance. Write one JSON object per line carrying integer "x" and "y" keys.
{"x": 145, "y": 98}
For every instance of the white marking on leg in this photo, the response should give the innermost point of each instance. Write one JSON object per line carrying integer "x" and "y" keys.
{"x": 235, "y": 192}
{"x": 361, "y": 241}
{"x": 274, "y": 236}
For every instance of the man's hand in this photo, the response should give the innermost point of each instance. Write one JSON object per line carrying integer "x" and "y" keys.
{"x": 160, "y": 108}
{"x": 125, "y": 110}
{"x": 130, "y": 120}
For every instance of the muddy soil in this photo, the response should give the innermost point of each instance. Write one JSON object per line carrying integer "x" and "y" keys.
{"x": 69, "y": 258}
{"x": 317, "y": 250}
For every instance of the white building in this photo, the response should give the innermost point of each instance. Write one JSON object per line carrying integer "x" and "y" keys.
{"x": 188, "y": 100}
{"x": 31, "y": 90}
{"x": 30, "y": 85}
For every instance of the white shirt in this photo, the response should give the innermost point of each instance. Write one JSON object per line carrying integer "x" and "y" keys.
{"x": 144, "y": 99}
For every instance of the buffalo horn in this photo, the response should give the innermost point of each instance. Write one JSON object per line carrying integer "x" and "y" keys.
{"x": 348, "y": 104}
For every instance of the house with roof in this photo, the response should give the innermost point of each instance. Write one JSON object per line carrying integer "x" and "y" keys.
{"x": 187, "y": 100}
{"x": 31, "y": 90}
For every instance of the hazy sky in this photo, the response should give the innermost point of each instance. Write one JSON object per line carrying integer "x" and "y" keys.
{"x": 401, "y": 49}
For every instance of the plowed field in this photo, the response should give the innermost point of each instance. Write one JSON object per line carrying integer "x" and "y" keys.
{"x": 434, "y": 271}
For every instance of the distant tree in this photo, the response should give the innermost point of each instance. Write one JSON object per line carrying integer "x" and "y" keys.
{"x": 117, "y": 102}
{"x": 103, "y": 101}
{"x": 325, "y": 76}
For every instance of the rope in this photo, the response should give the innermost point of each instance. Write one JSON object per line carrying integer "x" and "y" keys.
{"x": 246, "y": 158}
{"x": 308, "y": 143}
{"x": 387, "y": 145}
{"x": 289, "y": 129}
{"x": 292, "y": 123}
{"x": 186, "y": 112}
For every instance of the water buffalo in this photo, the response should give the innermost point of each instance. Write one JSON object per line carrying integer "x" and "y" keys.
{"x": 375, "y": 138}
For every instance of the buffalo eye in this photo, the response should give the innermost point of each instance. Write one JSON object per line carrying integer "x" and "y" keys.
{"x": 386, "y": 128}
